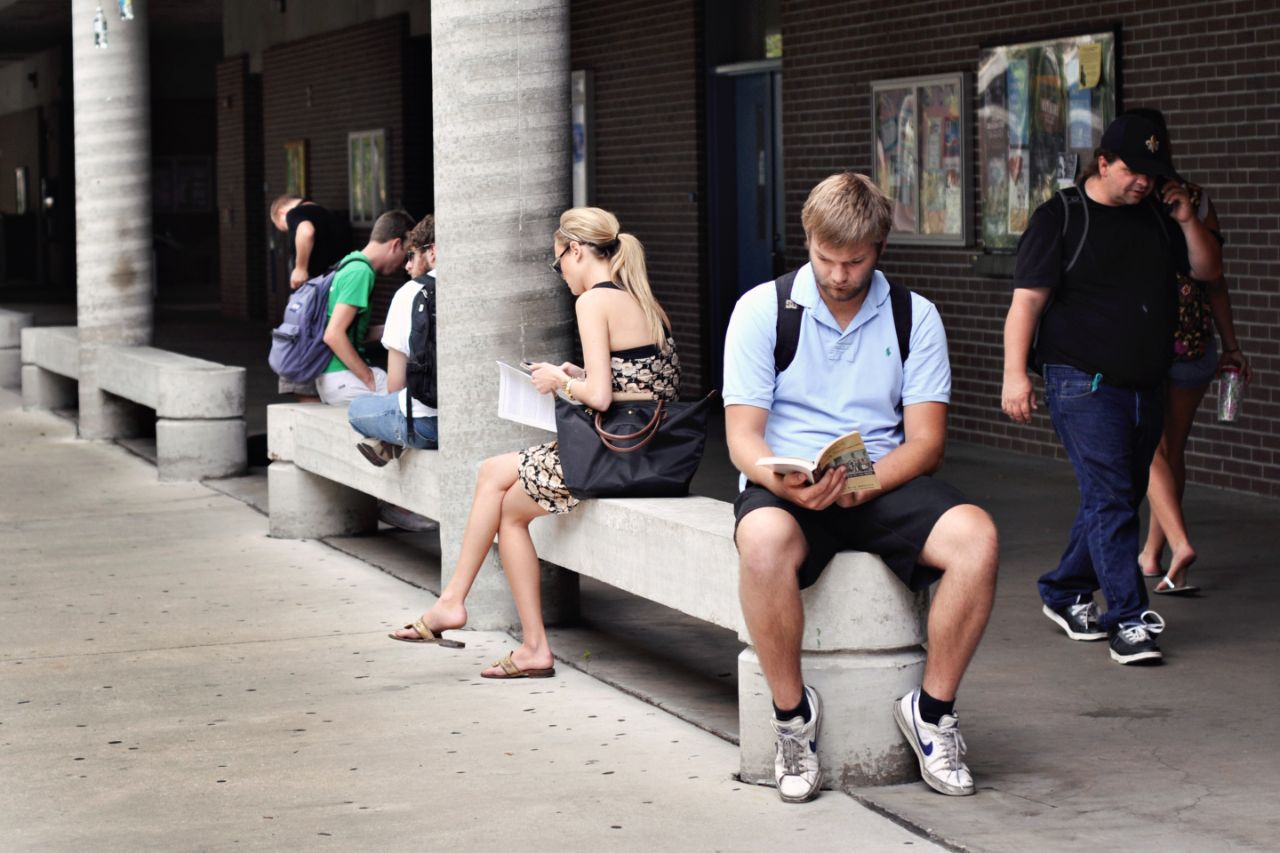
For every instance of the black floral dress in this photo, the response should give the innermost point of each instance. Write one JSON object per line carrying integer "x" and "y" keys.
{"x": 644, "y": 369}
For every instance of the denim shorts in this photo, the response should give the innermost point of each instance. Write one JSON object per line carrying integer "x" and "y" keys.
{"x": 1198, "y": 373}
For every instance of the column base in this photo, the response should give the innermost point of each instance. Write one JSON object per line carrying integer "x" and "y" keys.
{"x": 859, "y": 743}
{"x": 306, "y": 506}
{"x": 196, "y": 449}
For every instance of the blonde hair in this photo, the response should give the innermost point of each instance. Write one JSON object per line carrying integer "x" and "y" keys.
{"x": 599, "y": 231}
{"x": 847, "y": 209}
{"x": 279, "y": 202}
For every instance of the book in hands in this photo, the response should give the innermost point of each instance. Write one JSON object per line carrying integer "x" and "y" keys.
{"x": 846, "y": 452}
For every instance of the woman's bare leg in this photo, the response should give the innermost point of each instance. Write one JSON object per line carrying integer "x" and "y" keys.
{"x": 497, "y": 475}
{"x": 1169, "y": 480}
{"x": 524, "y": 576}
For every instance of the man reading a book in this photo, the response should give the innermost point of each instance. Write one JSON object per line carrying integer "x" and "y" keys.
{"x": 872, "y": 359}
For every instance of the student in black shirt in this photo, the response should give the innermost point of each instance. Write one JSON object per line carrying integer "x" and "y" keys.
{"x": 313, "y": 247}
{"x": 1102, "y": 293}
{"x": 312, "y": 242}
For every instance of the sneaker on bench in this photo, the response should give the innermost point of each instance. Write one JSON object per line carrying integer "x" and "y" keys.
{"x": 795, "y": 764}
{"x": 378, "y": 452}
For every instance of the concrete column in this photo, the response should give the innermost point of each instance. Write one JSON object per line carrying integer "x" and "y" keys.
{"x": 113, "y": 200}
{"x": 500, "y": 95}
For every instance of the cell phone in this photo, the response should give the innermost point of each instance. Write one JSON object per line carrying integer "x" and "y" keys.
{"x": 527, "y": 365}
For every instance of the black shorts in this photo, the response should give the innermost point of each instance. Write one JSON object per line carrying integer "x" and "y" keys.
{"x": 894, "y": 526}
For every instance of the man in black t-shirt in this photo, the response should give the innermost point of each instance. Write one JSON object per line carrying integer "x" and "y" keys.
{"x": 1096, "y": 274}
{"x": 312, "y": 243}
{"x": 312, "y": 246}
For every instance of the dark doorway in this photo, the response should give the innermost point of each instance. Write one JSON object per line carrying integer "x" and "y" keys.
{"x": 743, "y": 41}
{"x": 745, "y": 205}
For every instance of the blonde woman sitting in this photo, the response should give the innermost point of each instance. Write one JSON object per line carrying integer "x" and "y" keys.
{"x": 626, "y": 347}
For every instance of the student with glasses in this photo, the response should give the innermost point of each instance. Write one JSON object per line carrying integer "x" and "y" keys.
{"x": 384, "y": 418}
{"x": 626, "y": 347}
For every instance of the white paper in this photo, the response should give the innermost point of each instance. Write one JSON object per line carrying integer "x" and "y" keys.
{"x": 519, "y": 401}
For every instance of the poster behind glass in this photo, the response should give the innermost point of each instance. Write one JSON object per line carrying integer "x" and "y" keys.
{"x": 1042, "y": 109}
{"x": 919, "y": 156}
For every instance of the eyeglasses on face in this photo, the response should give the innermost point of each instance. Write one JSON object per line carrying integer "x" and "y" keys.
{"x": 555, "y": 265}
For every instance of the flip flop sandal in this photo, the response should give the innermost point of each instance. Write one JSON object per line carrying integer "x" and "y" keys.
{"x": 1171, "y": 589}
{"x": 510, "y": 670}
{"x": 426, "y": 635}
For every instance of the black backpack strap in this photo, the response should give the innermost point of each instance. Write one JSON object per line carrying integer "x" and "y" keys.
{"x": 900, "y": 302}
{"x": 789, "y": 316}
{"x": 1073, "y": 197}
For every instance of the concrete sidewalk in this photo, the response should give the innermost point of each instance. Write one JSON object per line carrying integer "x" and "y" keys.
{"x": 173, "y": 679}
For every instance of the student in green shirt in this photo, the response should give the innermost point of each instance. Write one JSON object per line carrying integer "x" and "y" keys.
{"x": 348, "y": 375}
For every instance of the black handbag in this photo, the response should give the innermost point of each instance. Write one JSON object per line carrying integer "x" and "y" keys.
{"x": 636, "y": 449}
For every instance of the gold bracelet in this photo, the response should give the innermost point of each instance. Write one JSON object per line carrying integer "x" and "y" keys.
{"x": 568, "y": 389}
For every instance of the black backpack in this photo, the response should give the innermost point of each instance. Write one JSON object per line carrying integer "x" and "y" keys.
{"x": 790, "y": 314}
{"x": 420, "y": 369}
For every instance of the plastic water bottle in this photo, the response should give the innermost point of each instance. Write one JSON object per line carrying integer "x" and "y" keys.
{"x": 1230, "y": 391}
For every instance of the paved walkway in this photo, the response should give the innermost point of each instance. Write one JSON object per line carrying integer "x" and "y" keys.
{"x": 210, "y": 680}
{"x": 172, "y": 679}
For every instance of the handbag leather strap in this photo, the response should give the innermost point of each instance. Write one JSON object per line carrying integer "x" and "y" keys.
{"x": 649, "y": 430}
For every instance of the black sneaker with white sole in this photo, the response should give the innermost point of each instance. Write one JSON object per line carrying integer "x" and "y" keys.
{"x": 1134, "y": 641}
{"x": 1079, "y": 620}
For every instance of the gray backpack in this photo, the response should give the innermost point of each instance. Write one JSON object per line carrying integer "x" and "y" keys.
{"x": 298, "y": 350}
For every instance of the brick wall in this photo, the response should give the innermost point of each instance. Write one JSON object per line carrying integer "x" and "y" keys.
{"x": 241, "y": 217}
{"x": 320, "y": 89}
{"x": 646, "y": 59}
{"x": 1213, "y": 68}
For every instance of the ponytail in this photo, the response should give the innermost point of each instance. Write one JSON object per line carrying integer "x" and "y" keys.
{"x": 598, "y": 230}
{"x": 627, "y": 268}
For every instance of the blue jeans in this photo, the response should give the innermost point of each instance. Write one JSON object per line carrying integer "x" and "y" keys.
{"x": 379, "y": 416}
{"x": 1110, "y": 435}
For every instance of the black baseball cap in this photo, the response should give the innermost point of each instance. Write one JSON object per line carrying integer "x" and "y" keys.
{"x": 1141, "y": 144}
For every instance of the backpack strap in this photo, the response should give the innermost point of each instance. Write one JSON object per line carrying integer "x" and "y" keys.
{"x": 900, "y": 302}
{"x": 789, "y": 316}
{"x": 1073, "y": 197}
{"x": 787, "y": 337}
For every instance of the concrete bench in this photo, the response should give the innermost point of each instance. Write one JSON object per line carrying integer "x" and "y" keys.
{"x": 863, "y": 628}
{"x": 863, "y": 633}
{"x": 321, "y": 486}
{"x": 199, "y": 405}
{"x": 50, "y": 367}
{"x": 11, "y": 325}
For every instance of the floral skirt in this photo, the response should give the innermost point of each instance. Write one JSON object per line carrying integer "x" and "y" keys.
{"x": 542, "y": 478}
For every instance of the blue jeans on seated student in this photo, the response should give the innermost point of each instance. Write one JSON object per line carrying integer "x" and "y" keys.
{"x": 1110, "y": 435}
{"x": 379, "y": 416}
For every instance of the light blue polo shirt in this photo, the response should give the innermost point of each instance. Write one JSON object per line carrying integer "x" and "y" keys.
{"x": 840, "y": 380}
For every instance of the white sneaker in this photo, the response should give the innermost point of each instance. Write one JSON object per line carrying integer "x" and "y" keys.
{"x": 795, "y": 765}
{"x": 937, "y": 747}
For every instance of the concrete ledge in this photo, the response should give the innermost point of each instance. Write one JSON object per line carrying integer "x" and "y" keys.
{"x": 679, "y": 552}
{"x": 11, "y": 325}
{"x": 176, "y": 386}
{"x": 194, "y": 449}
{"x": 308, "y": 506}
{"x": 317, "y": 438}
{"x": 53, "y": 348}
